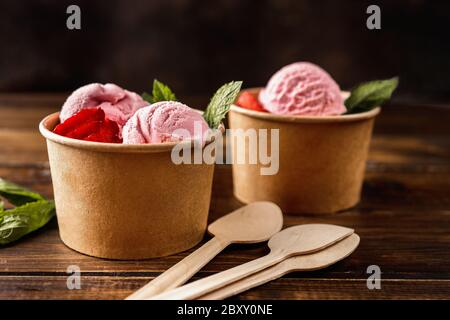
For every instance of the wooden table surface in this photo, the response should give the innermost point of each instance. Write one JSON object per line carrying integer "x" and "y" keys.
{"x": 403, "y": 219}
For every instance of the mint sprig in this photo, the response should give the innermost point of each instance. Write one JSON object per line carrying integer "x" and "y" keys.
{"x": 160, "y": 92}
{"x": 17, "y": 222}
{"x": 220, "y": 103}
{"x": 17, "y": 195}
{"x": 32, "y": 211}
{"x": 147, "y": 97}
{"x": 369, "y": 95}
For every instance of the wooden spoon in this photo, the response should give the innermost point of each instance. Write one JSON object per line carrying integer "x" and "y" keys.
{"x": 256, "y": 222}
{"x": 309, "y": 262}
{"x": 289, "y": 242}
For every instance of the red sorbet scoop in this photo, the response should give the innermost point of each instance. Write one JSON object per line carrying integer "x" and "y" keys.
{"x": 90, "y": 125}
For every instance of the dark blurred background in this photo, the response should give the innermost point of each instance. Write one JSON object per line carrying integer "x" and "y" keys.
{"x": 195, "y": 46}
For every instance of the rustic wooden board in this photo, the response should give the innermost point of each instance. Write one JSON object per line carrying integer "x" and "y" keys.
{"x": 301, "y": 288}
{"x": 403, "y": 219}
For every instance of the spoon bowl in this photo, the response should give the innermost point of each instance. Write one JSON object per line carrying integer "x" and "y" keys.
{"x": 307, "y": 238}
{"x": 255, "y": 222}
{"x": 320, "y": 259}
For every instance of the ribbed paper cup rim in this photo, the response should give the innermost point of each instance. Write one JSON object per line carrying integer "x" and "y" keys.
{"x": 304, "y": 119}
{"x": 49, "y": 122}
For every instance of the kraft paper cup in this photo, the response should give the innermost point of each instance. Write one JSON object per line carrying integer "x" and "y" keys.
{"x": 126, "y": 201}
{"x": 321, "y": 160}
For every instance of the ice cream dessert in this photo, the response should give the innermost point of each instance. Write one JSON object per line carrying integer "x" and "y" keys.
{"x": 118, "y": 104}
{"x": 320, "y": 141}
{"x": 302, "y": 88}
{"x": 108, "y": 113}
{"x": 164, "y": 121}
{"x": 101, "y": 189}
{"x": 305, "y": 89}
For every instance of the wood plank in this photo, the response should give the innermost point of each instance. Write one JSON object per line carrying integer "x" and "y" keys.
{"x": 19, "y": 147}
{"x": 406, "y": 150}
{"x": 413, "y": 120}
{"x": 17, "y": 117}
{"x": 325, "y": 289}
{"x": 388, "y": 185}
{"x": 118, "y": 287}
{"x": 385, "y": 187}
{"x": 403, "y": 244}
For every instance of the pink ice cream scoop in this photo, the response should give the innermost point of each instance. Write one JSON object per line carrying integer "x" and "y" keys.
{"x": 302, "y": 88}
{"x": 164, "y": 122}
{"x": 119, "y": 104}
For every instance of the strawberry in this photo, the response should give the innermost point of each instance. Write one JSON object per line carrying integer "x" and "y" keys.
{"x": 85, "y": 129}
{"x": 90, "y": 125}
{"x": 98, "y": 137}
{"x": 85, "y": 115}
{"x": 110, "y": 130}
{"x": 249, "y": 101}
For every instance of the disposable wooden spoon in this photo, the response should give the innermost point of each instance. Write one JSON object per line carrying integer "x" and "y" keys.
{"x": 308, "y": 262}
{"x": 256, "y": 222}
{"x": 289, "y": 242}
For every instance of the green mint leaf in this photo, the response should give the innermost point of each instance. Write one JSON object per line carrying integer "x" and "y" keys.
{"x": 369, "y": 95}
{"x": 16, "y": 194}
{"x": 17, "y": 222}
{"x": 147, "y": 97}
{"x": 162, "y": 92}
{"x": 220, "y": 103}
{"x": 2, "y": 206}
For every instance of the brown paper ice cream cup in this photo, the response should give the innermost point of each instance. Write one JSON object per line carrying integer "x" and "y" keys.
{"x": 126, "y": 201}
{"x": 321, "y": 160}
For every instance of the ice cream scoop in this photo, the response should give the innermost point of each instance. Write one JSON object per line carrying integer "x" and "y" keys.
{"x": 119, "y": 104}
{"x": 165, "y": 121}
{"x": 302, "y": 88}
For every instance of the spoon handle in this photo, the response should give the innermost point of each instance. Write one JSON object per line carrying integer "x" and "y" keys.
{"x": 200, "y": 287}
{"x": 254, "y": 280}
{"x": 182, "y": 271}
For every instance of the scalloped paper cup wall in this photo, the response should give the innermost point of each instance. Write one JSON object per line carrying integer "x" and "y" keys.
{"x": 321, "y": 161}
{"x": 126, "y": 201}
